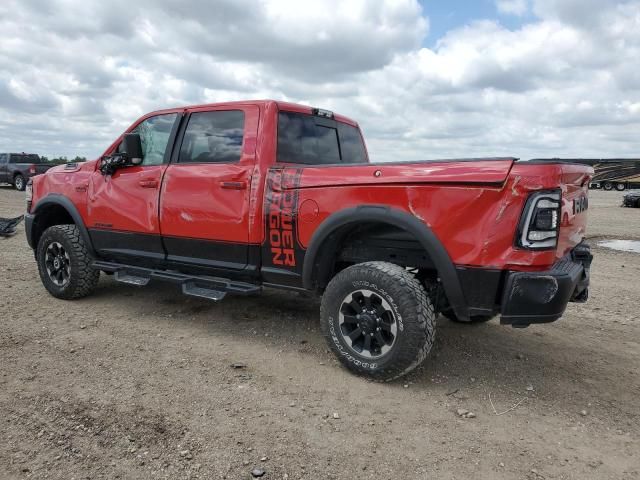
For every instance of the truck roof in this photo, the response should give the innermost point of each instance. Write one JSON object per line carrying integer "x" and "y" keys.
{"x": 281, "y": 105}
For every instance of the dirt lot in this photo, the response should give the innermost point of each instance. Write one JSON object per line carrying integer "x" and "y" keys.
{"x": 137, "y": 383}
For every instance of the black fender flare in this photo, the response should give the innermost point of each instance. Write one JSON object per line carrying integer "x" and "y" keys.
{"x": 398, "y": 218}
{"x": 64, "y": 202}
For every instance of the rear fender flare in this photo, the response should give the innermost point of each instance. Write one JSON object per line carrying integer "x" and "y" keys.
{"x": 397, "y": 218}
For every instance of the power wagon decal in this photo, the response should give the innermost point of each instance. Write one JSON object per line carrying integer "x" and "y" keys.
{"x": 281, "y": 248}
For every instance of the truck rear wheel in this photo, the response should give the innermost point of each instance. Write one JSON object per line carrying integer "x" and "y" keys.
{"x": 64, "y": 263}
{"x": 377, "y": 318}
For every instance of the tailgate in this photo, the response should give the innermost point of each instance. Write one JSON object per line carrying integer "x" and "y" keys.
{"x": 574, "y": 181}
{"x": 571, "y": 180}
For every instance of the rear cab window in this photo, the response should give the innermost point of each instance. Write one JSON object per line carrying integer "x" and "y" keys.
{"x": 315, "y": 140}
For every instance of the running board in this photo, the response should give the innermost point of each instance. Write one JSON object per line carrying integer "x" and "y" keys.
{"x": 193, "y": 289}
{"x": 213, "y": 288}
{"x": 125, "y": 277}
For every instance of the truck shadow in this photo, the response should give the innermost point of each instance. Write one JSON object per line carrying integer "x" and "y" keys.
{"x": 467, "y": 360}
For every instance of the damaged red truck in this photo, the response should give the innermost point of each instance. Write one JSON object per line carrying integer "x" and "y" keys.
{"x": 234, "y": 197}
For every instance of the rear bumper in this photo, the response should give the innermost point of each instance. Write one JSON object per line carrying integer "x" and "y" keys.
{"x": 541, "y": 297}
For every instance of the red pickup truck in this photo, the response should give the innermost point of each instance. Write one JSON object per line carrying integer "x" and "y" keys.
{"x": 234, "y": 197}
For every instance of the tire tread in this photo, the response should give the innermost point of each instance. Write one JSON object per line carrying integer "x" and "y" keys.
{"x": 86, "y": 278}
{"x": 421, "y": 326}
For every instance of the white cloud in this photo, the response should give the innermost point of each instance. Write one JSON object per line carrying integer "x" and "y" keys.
{"x": 512, "y": 7}
{"x": 74, "y": 74}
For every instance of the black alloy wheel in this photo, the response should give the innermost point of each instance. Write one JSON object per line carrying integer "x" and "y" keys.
{"x": 367, "y": 323}
{"x": 57, "y": 264}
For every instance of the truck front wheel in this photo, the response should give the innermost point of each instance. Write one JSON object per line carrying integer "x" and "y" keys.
{"x": 64, "y": 263}
{"x": 19, "y": 183}
{"x": 377, "y": 318}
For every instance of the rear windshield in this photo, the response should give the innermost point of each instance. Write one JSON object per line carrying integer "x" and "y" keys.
{"x": 24, "y": 158}
{"x": 312, "y": 140}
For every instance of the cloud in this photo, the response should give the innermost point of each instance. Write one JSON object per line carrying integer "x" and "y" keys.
{"x": 512, "y": 7}
{"x": 74, "y": 74}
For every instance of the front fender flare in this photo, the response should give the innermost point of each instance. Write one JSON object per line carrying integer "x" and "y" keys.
{"x": 384, "y": 214}
{"x": 64, "y": 202}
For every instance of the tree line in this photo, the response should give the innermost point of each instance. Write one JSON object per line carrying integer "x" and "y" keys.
{"x": 62, "y": 159}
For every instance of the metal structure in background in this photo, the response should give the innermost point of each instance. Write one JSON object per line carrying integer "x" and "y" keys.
{"x": 610, "y": 173}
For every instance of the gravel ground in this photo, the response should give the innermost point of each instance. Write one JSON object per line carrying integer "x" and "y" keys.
{"x": 137, "y": 383}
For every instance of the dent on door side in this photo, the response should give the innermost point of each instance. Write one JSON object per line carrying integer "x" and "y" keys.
{"x": 119, "y": 203}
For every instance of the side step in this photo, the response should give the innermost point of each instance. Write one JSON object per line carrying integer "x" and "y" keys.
{"x": 213, "y": 288}
{"x": 191, "y": 288}
{"x": 125, "y": 277}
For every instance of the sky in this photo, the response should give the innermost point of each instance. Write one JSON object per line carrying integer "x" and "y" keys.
{"x": 425, "y": 79}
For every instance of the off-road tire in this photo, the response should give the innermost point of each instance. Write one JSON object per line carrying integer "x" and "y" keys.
{"x": 410, "y": 305}
{"x": 19, "y": 183}
{"x": 82, "y": 278}
{"x": 474, "y": 318}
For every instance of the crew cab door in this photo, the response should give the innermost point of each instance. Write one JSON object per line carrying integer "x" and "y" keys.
{"x": 205, "y": 201}
{"x": 122, "y": 210}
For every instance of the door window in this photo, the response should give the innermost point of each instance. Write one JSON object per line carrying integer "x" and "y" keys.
{"x": 3, "y": 158}
{"x": 154, "y": 134}
{"x": 213, "y": 137}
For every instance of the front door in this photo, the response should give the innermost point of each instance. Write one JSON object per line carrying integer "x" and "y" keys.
{"x": 204, "y": 207}
{"x": 122, "y": 209}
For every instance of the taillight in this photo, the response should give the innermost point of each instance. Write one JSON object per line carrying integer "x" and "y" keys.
{"x": 32, "y": 169}
{"x": 540, "y": 221}
{"x": 29, "y": 195}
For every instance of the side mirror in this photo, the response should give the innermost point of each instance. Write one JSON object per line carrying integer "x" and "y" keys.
{"x": 132, "y": 147}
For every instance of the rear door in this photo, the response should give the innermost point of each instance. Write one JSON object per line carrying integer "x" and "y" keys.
{"x": 205, "y": 201}
{"x": 122, "y": 212}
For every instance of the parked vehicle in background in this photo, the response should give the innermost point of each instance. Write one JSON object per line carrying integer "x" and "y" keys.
{"x": 631, "y": 199}
{"x": 611, "y": 173}
{"x": 18, "y": 168}
{"x": 234, "y": 197}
